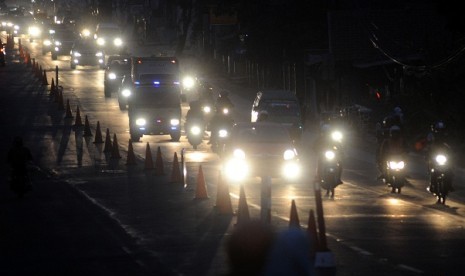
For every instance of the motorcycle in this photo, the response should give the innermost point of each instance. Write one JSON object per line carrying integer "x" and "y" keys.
{"x": 395, "y": 173}
{"x": 440, "y": 178}
{"x": 195, "y": 130}
{"x": 329, "y": 170}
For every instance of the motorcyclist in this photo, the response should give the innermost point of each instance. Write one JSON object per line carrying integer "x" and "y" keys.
{"x": 223, "y": 100}
{"x": 396, "y": 118}
{"x": 324, "y": 142}
{"x": 437, "y": 142}
{"x": 393, "y": 145}
{"x": 194, "y": 112}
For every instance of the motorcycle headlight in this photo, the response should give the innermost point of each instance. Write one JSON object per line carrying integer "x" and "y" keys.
{"x": 330, "y": 155}
{"x": 126, "y": 92}
{"x": 223, "y": 133}
{"x": 118, "y": 41}
{"x": 100, "y": 41}
{"x": 441, "y": 159}
{"x": 85, "y": 33}
{"x": 51, "y": 31}
{"x": 76, "y": 54}
{"x": 207, "y": 109}
{"x": 188, "y": 82}
{"x": 99, "y": 54}
{"x": 57, "y": 43}
{"x": 112, "y": 76}
{"x": 174, "y": 122}
{"x": 289, "y": 154}
{"x": 141, "y": 122}
{"x": 238, "y": 153}
{"x": 396, "y": 165}
{"x": 47, "y": 42}
{"x": 195, "y": 130}
{"x": 291, "y": 170}
{"x": 225, "y": 110}
{"x": 336, "y": 136}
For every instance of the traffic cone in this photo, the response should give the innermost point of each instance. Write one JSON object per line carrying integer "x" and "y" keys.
{"x": 78, "y": 121}
{"x": 98, "y": 134}
{"x": 61, "y": 106}
{"x": 313, "y": 235}
{"x": 201, "y": 189}
{"x": 223, "y": 200}
{"x": 68, "y": 110}
{"x": 148, "y": 158}
{"x": 28, "y": 60}
{"x": 52, "y": 88}
{"x": 44, "y": 79}
{"x": 131, "y": 158}
{"x": 243, "y": 215}
{"x": 87, "y": 131}
{"x": 159, "y": 166}
{"x": 108, "y": 146}
{"x": 175, "y": 172}
{"x": 115, "y": 149}
{"x": 39, "y": 71}
{"x": 294, "y": 218}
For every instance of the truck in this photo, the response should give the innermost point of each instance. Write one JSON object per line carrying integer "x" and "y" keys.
{"x": 154, "y": 100}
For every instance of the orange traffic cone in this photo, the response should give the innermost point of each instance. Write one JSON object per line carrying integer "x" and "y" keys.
{"x": 159, "y": 166}
{"x": 108, "y": 146}
{"x": 294, "y": 218}
{"x": 176, "y": 171}
{"x": 131, "y": 158}
{"x": 52, "y": 88}
{"x": 68, "y": 110}
{"x": 201, "y": 190}
{"x": 148, "y": 158}
{"x": 115, "y": 149}
{"x": 98, "y": 134}
{"x": 44, "y": 79}
{"x": 311, "y": 230}
{"x": 78, "y": 121}
{"x": 223, "y": 200}
{"x": 87, "y": 131}
{"x": 28, "y": 60}
{"x": 243, "y": 215}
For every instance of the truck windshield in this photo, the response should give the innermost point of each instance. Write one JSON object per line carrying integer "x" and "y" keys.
{"x": 156, "y": 97}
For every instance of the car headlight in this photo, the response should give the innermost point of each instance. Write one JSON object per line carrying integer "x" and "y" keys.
{"x": 47, "y": 42}
{"x": 396, "y": 165}
{"x": 100, "y": 41}
{"x": 336, "y": 136}
{"x": 289, "y": 154}
{"x": 141, "y": 122}
{"x": 112, "y": 76}
{"x": 236, "y": 169}
{"x": 118, "y": 41}
{"x": 222, "y": 133}
{"x": 441, "y": 159}
{"x": 99, "y": 54}
{"x": 126, "y": 92}
{"x": 207, "y": 109}
{"x": 188, "y": 82}
{"x": 57, "y": 43}
{"x": 291, "y": 170}
{"x": 330, "y": 155}
{"x": 238, "y": 153}
{"x": 85, "y": 33}
{"x": 195, "y": 130}
{"x": 76, "y": 54}
{"x": 174, "y": 122}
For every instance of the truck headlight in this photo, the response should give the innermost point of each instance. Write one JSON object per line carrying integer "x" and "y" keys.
{"x": 141, "y": 122}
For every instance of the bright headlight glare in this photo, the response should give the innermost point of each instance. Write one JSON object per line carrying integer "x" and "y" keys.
{"x": 291, "y": 170}
{"x": 195, "y": 130}
{"x": 236, "y": 170}
{"x": 47, "y": 42}
{"x": 330, "y": 155}
{"x": 99, "y": 54}
{"x": 118, "y": 41}
{"x": 112, "y": 76}
{"x": 100, "y": 41}
{"x": 188, "y": 82}
{"x": 238, "y": 153}
{"x": 57, "y": 43}
{"x": 441, "y": 159}
{"x": 223, "y": 133}
{"x": 85, "y": 32}
{"x": 141, "y": 122}
{"x": 34, "y": 31}
{"x": 336, "y": 136}
{"x": 16, "y": 27}
{"x": 225, "y": 110}
{"x": 396, "y": 165}
{"x": 126, "y": 92}
{"x": 9, "y": 24}
{"x": 51, "y": 31}
{"x": 289, "y": 154}
{"x": 207, "y": 109}
{"x": 76, "y": 54}
{"x": 174, "y": 122}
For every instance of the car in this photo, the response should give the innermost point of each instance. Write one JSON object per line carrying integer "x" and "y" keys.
{"x": 117, "y": 67}
{"x": 62, "y": 40}
{"x": 260, "y": 149}
{"x": 109, "y": 38}
{"x": 282, "y": 107}
{"x": 85, "y": 52}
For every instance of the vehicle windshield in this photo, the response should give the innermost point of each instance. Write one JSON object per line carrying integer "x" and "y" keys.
{"x": 157, "y": 97}
{"x": 268, "y": 134}
{"x": 281, "y": 108}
